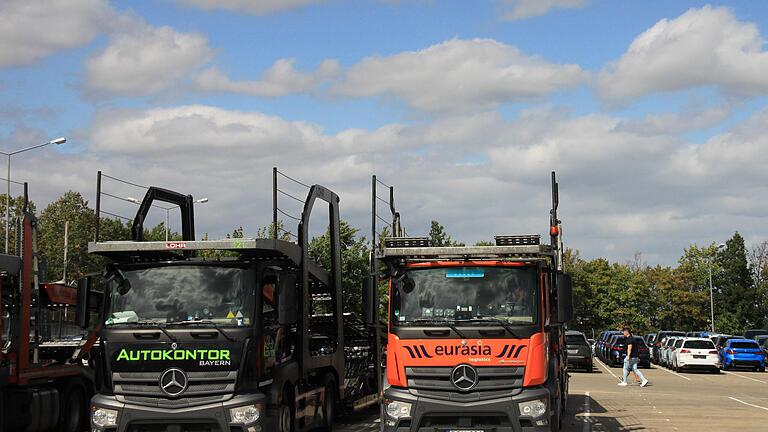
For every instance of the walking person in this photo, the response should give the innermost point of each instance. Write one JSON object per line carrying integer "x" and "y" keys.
{"x": 632, "y": 358}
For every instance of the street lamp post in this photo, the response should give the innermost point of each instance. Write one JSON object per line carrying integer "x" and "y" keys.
{"x": 167, "y": 211}
{"x": 711, "y": 290}
{"x": 56, "y": 141}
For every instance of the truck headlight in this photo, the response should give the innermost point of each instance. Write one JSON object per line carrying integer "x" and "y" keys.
{"x": 397, "y": 409}
{"x": 533, "y": 408}
{"x": 103, "y": 417}
{"x": 245, "y": 415}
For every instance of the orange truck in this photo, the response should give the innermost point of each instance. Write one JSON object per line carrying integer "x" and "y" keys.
{"x": 475, "y": 334}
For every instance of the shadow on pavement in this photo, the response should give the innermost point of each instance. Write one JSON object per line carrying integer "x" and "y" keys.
{"x": 585, "y": 414}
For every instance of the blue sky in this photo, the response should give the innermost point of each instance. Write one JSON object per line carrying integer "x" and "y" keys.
{"x": 456, "y": 102}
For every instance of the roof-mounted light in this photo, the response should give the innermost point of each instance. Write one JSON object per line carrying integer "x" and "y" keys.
{"x": 518, "y": 240}
{"x": 406, "y": 242}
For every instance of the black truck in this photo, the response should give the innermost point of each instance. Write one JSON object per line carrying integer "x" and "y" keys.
{"x": 243, "y": 335}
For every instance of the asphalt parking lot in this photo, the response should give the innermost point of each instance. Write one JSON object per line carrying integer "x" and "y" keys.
{"x": 694, "y": 401}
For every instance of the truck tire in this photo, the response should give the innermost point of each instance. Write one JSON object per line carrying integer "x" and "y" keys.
{"x": 286, "y": 414}
{"x": 555, "y": 420}
{"x": 72, "y": 410}
{"x": 329, "y": 403}
{"x": 2, "y": 413}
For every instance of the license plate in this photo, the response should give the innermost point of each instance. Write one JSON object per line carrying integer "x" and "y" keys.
{"x": 573, "y": 351}
{"x": 699, "y": 356}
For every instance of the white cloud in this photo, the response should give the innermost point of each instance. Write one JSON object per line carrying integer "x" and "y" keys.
{"x": 143, "y": 60}
{"x": 689, "y": 119}
{"x": 279, "y": 80}
{"x": 621, "y": 190}
{"x": 702, "y": 47}
{"x": 521, "y": 9}
{"x": 459, "y": 75}
{"x": 32, "y": 30}
{"x": 255, "y": 7}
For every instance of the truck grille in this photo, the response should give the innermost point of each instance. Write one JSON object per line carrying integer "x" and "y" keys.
{"x": 490, "y": 378}
{"x": 203, "y": 387}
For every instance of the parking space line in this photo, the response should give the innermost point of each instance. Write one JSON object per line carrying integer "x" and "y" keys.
{"x": 587, "y": 425}
{"x": 606, "y": 368}
{"x": 673, "y": 373}
{"x": 745, "y": 377}
{"x": 747, "y": 403}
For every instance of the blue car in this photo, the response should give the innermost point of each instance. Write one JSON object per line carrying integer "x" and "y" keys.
{"x": 742, "y": 353}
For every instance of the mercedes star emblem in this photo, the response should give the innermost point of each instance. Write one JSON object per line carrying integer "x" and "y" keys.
{"x": 464, "y": 377}
{"x": 173, "y": 382}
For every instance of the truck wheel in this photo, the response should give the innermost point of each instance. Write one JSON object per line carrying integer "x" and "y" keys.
{"x": 554, "y": 421}
{"x": 72, "y": 410}
{"x": 286, "y": 415}
{"x": 2, "y": 413}
{"x": 329, "y": 403}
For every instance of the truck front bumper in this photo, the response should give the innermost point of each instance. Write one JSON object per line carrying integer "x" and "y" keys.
{"x": 502, "y": 414}
{"x": 200, "y": 418}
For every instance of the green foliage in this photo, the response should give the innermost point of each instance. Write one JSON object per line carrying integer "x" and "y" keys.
{"x": 485, "y": 243}
{"x": 438, "y": 237}
{"x": 355, "y": 263}
{"x": 269, "y": 231}
{"x": 113, "y": 229}
{"x": 73, "y": 208}
{"x": 14, "y": 211}
{"x": 736, "y": 298}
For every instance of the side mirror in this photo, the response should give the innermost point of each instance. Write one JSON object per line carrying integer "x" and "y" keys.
{"x": 287, "y": 300}
{"x": 564, "y": 298}
{"x": 82, "y": 311}
{"x": 370, "y": 301}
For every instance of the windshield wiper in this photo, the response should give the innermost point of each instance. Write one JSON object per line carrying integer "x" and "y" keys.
{"x": 213, "y": 324}
{"x": 441, "y": 322}
{"x": 499, "y": 321}
{"x": 147, "y": 322}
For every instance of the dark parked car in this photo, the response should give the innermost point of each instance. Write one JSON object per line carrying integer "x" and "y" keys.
{"x": 723, "y": 339}
{"x": 750, "y": 334}
{"x": 617, "y": 347}
{"x": 649, "y": 338}
{"x": 655, "y": 348}
{"x": 579, "y": 351}
{"x": 600, "y": 345}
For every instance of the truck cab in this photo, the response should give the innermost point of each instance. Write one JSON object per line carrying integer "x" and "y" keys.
{"x": 235, "y": 335}
{"x": 475, "y": 335}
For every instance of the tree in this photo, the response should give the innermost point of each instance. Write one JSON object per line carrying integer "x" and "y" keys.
{"x": 355, "y": 264}
{"x": 73, "y": 208}
{"x": 269, "y": 231}
{"x": 484, "y": 243}
{"x": 758, "y": 262}
{"x": 736, "y": 297}
{"x": 14, "y": 212}
{"x": 438, "y": 237}
{"x": 113, "y": 229}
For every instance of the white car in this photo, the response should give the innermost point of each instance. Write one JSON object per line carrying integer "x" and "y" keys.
{"x": 663, "y": 350}
{"x": 695, "y": 353}
{"x": 667, "y": 349}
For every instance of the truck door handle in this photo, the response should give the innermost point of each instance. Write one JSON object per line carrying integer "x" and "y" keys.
{"x": 437, "y": 332}
{"x": 204, "y": 335}
{"x": 151, "y": 335}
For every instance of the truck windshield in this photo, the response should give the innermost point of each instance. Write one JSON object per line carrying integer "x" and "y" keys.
{"x": 178, "y": 294}
{"x": 473, "y": 294}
